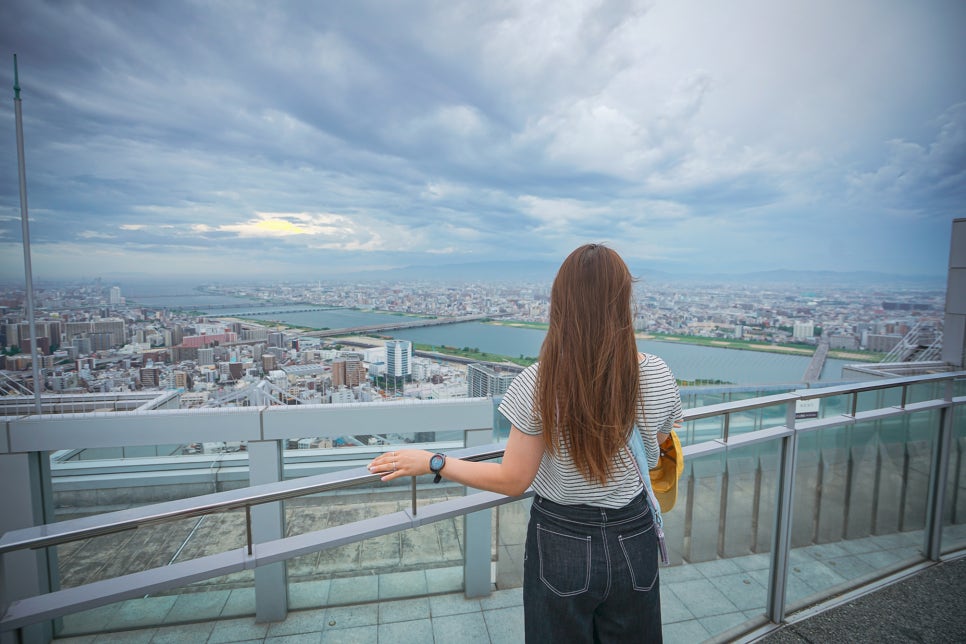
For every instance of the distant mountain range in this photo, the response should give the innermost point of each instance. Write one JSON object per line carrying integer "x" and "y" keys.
{"x": 543, "y": 272}
{"x": 538, "y": 271}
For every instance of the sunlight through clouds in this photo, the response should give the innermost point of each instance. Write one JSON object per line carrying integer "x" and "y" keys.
{"x": 284, "y": 224}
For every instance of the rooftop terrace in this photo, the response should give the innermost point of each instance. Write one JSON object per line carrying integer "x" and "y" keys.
{"x": 777, "y": 515}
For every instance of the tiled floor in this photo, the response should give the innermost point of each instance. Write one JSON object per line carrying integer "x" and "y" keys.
{"x": 441, "y": 618}
{"x": 699, "y": 601}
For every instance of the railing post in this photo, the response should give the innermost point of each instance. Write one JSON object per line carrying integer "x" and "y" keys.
{"x": 478, "y": 531}
{"x": 268, "y": 524}
{"x": 938, "y": 474}
{"x": 27, "y": 572}
{"x": 782, "y": 532}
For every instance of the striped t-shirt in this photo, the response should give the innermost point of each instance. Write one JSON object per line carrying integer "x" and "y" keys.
{"x": 557, "y": 479}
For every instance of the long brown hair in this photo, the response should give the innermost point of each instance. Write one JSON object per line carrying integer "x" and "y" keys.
{"x": 588, "y": 377}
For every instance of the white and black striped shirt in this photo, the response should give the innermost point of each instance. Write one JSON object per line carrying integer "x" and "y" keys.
{"x": 557, "y": 479}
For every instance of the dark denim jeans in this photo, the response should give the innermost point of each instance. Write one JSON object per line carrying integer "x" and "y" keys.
{"x": 591, "y": 574}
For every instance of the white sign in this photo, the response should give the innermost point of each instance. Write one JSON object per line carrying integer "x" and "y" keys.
{"x": 807, "y": 408}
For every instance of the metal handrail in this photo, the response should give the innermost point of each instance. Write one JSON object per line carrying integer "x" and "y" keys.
{"x": 887, "y": 383}
{"x": 53, "y": 534}
{"x": 76, "y": 529}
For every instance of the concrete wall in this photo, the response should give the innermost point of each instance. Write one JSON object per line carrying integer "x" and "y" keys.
{"x": 954, "y": 327}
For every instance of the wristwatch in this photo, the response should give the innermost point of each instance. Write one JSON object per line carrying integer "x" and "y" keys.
{"x": 436, "y": 463}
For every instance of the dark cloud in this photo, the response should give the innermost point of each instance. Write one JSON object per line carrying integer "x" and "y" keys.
{"x": 218, "y": 136}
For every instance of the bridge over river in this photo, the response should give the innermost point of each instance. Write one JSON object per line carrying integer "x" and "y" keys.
{"x": 405, "y": 323}
{"x": 814, "y": 370}
{"x": 308, "y": 309}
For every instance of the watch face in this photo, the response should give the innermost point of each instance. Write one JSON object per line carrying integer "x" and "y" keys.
{"x": 436, "y": 462}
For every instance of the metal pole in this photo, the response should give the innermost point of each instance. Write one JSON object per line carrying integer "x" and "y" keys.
{"x": 938, "y": 475}
{"x": 28, "y": 273}
{"x": 782, "y": 531}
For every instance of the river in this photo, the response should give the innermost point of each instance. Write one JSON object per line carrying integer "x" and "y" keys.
{"x": 687, "y": 361}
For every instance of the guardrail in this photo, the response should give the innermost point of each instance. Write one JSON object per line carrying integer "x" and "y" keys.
{"x": 122, "y": 520}
{"x": 258, "y": 553}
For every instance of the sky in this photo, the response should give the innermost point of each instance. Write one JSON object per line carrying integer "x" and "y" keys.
{"x": 289, "y": 139}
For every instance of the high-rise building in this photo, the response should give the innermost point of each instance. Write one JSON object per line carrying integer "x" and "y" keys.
{"x": 483, "y": 381}
{"x": 206, "y": 356}
{"x": 75, "y": 329}
{"x": 268, "y": 362}
{"x": 82, "y": 345}
{"x": 276, "y": 339}
{"x": 114, "y": 326}
{"x": 355, "y": 370}
{"x": 55, "y": 330}
{"x": 181, "y": 353}
{"x": 803, "y": 330}
{"x": 398, "y": 358}
{"x": 338, "y": 373}
{"x": 348, "y": 370}
{"x": 115, "y": 296}
{"x": 150, "y": 376}
{"x": 101, "y": 341}
{"x": 41, "y": 330}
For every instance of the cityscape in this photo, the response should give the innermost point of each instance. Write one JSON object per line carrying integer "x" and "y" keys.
{"x": 95, "y": 338}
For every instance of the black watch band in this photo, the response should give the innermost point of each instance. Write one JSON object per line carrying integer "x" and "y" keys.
{"x": 436, "y": 463}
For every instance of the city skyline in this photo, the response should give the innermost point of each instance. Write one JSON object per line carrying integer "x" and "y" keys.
{"x": 231, "y": 140}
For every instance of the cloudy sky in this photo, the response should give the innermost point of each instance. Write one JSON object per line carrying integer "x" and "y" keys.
{"x": 309, "y": 139}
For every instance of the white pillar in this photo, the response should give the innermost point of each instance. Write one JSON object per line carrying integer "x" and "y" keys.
{"x": 477, "y": 528}
{"x": 25, "y": 479}
{"x": 268, "y": 524}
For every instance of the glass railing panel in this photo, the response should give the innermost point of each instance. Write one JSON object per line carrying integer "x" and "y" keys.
{"x": 692, "y": 397}
{"x": 773, "y": 416}
{"x": 719, "y": 536}
{"x": 511, "y": 536}
{"x": 154, "y": 546}
{"x": 954, "y": 512}
{"x": 808, "y": 479}
{"x": 879, "y": 398}
{"x": 923, "y": 391}
{"x": 405, "y": 564}
{"x": 701, "y": 429}
{"x": 393, "y": 565}
{"x": 96, "y": 481}
{"x": 862, "y": 512}
{"x": 752, "y": 420}
{"x": 134, "y": 451}
{"x": 831, "y": 406}
{"x": 401, "y": 560}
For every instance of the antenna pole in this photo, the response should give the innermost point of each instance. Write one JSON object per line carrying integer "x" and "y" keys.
{"x": 24, "y": 223}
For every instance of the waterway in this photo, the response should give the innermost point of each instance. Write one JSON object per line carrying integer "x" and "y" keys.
{"x": 688, "y": 362}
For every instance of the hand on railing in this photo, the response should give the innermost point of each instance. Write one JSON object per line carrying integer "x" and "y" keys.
{"x": 406, "y": 462}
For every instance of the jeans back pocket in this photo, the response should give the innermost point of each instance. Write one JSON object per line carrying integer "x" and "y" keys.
{"x": 564, "y": 561}
{"x": 640, "y": 552}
